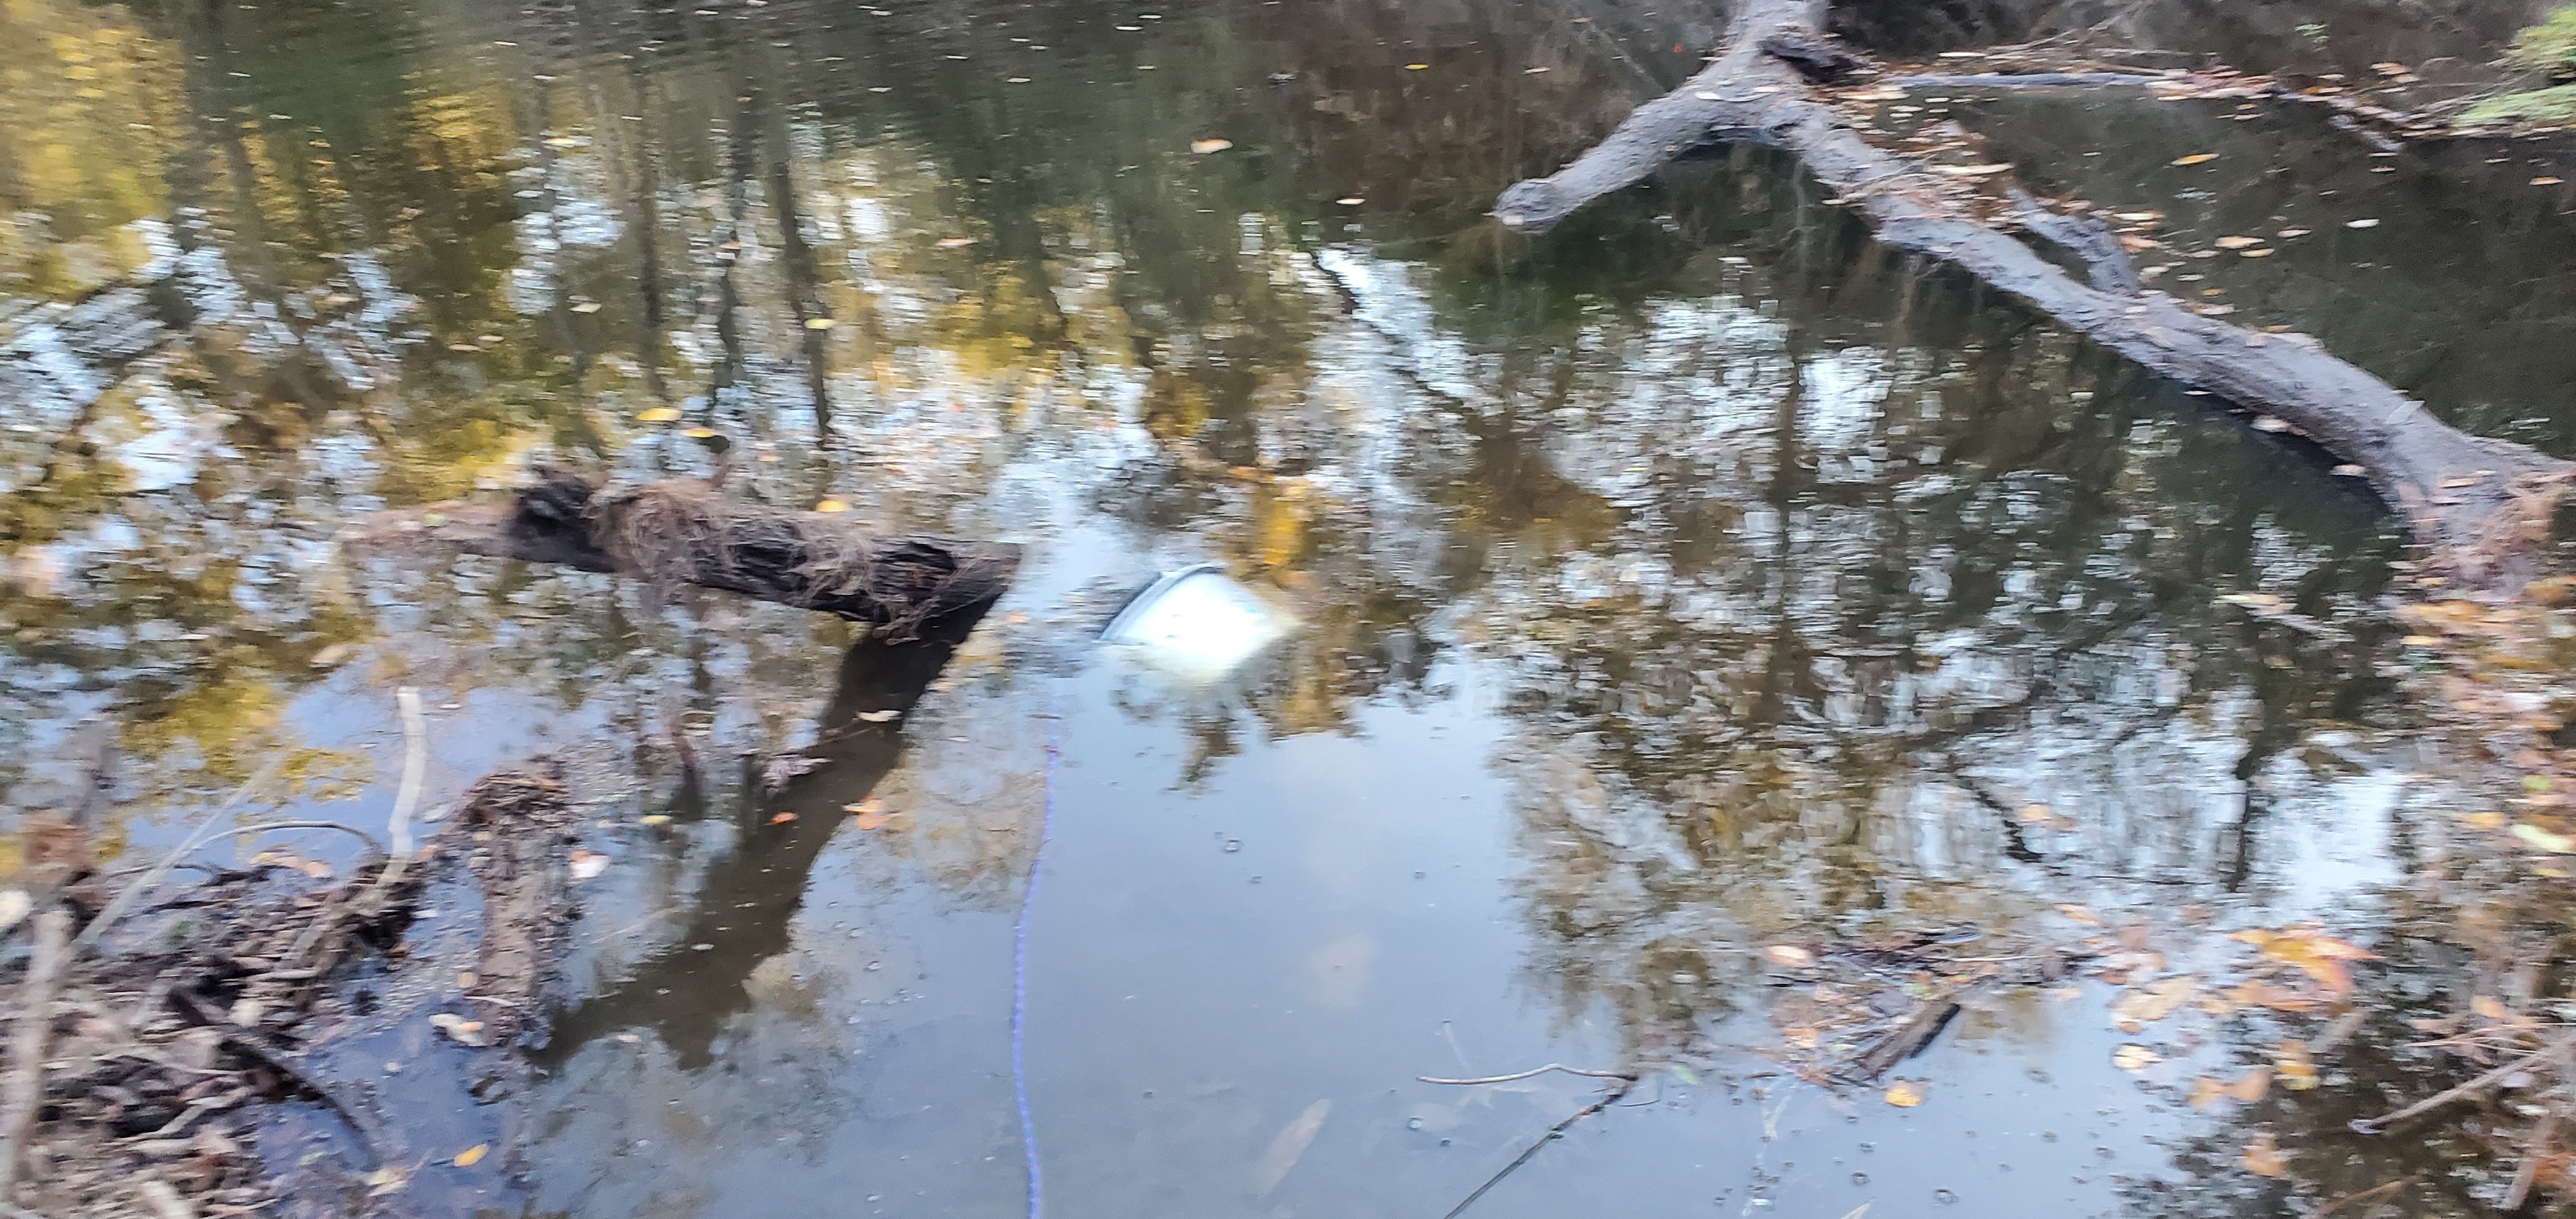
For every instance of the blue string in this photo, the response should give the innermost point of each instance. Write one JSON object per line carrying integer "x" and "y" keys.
{"x": 1020, "y": 984}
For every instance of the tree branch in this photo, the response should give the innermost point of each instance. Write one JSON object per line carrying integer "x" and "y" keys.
{"x": 2479, "y": 505}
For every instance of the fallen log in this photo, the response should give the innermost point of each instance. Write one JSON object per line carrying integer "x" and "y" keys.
{"x": 684, "y": 531}
{"x": 2481, "y": 507}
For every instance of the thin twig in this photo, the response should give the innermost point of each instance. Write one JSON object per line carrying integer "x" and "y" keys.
{"x": 1630, "y": 1076}
{"x": 2529, "y": 1170}
{"x": 415, "y": 762}
{"x": 1606, "y": 1100}
{"x": 25, "y": 1087}
{"x": 2364, "y": 1196}
{"x": 264, "y": 827}
{"x": 2380, "y": 1125}
{"x": 198, "y": 837}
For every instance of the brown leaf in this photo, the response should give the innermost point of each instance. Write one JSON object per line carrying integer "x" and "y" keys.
{"x": 2250, "y": 1086}
{"x": 2153, "y": 1001}
{"x": 2264, "y": 1158}
{"x": 2297, "y": 1070}
{"x": 781, "y": 818}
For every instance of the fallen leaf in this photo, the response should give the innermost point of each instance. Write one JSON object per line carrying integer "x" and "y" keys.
{"x": 2250, "y": 1086}
{"x": 588, "y": 864}
{"x": 831, "y": 505}
{"x": 333, "y": 655}
{"x": 879, "y": 717}
{"x": 2265, "y": 253}
{"x": 2206, "y": 1092}
{"x": 14, "y": 906}
{"x": 2135, "y": 1057}
{"x": 951, "y": 243}
{"x": 2263, "y": 1158}
{"x": 699, "y": 433}
{"x": 1289, "y": 1146}
{"x": 1971, "y": 171}
{"x": 1350, "y": 201}
{"x": 1905, "y": 1094}
{"x": 2298, "y": 1071}
{"x": 655, "y": 819}
{"x": 659, "y": 414}
{"x": 2081, "y": 914}
{"x": 781, "y": 818}
{"x": 2139, "y": 217}
{"x": 2286, "y": 234}
{"x": 2197, "y": 158}
{"x": 2489, "y": 1007}
{"x": 2034, "y": 814}
{"x": 1789, "y": 956}
{"x": 2547, "y": 180}
{"x": 467, "y": 978}
{"x": 2238, "y": 243}
{"x": 2153, "y": 1001}
{"x": 473, "y": 1155}
{"x": 586, "y": 307}
{"x": 818, "y": 323}
{"x": 1203, "y": 147}
{"x": 2259, "y": 993}
{"x": 2364, "y": 223}
{"x": 1415, "y": 67}
{"x": 2555, "y": 844}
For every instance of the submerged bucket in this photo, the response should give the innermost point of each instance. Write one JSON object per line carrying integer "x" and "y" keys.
{"x": 1197, "y": 624}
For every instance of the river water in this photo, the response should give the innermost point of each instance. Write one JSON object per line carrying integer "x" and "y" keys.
{"x": 1692, "y": 581}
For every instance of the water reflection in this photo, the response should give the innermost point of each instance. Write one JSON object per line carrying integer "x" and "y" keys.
{"x": 1695, "y": 575}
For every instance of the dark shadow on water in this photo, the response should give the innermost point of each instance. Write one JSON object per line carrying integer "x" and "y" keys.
{"x": 747, "y": 906}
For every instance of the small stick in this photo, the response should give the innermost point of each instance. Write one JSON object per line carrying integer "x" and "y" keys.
{"x": 2529, "y": 1171}
{"x": 25, "y": 1087}
{"x": 415, "y": 762}
{"x": 1607, "y": 1099}
{"x": 2380, "y": 1125}
{"x": 2364, "y": 1196}
{"x": 196, "y": 838}
{"x": 1630, "y": 1076}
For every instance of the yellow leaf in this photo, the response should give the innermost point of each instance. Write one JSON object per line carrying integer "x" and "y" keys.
{"x": 1415, "y": 67}
{"x": 818, "y": 323}
{"x": 2263, "y": 1157}
{"x": 1203, "y": 147}
{"x": 2489, "y": 1007}
{"x": 699, "y": 433}
{"x": 659, "y": 414}
{"x": 1905, "y": 1095}
{"x": 830, "y": 505}
{"x": 2555, "y": 844}
{"x": 2297, "y": 1070}
{"x": 2197, "y": 158}
{"x": 655, "y": 819}
{"x": 473, "y": 1155}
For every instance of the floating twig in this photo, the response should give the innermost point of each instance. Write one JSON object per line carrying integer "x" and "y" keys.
{"x": 2380, "y": 1125}
{"x": 1554, "y": 1132}
{"x": 2367, "y": 1195}
{"x": 1630, "y": 1076}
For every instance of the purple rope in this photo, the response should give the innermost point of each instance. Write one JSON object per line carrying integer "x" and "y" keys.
{"x": 1020, "y": 984}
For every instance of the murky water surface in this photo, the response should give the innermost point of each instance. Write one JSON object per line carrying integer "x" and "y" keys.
{"x": 1692, "y": 581}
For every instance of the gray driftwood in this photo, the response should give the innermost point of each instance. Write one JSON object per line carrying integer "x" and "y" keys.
{"x": 2479, "y": 505}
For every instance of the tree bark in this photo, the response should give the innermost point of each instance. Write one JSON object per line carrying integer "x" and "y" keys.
{"x": 682, "y": 531}
{"x": 2480, "y": 506}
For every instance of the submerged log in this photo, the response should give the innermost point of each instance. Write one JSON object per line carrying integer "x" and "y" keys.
{"x": 684, "y": 531}
{"x": 2480, "y": 506}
